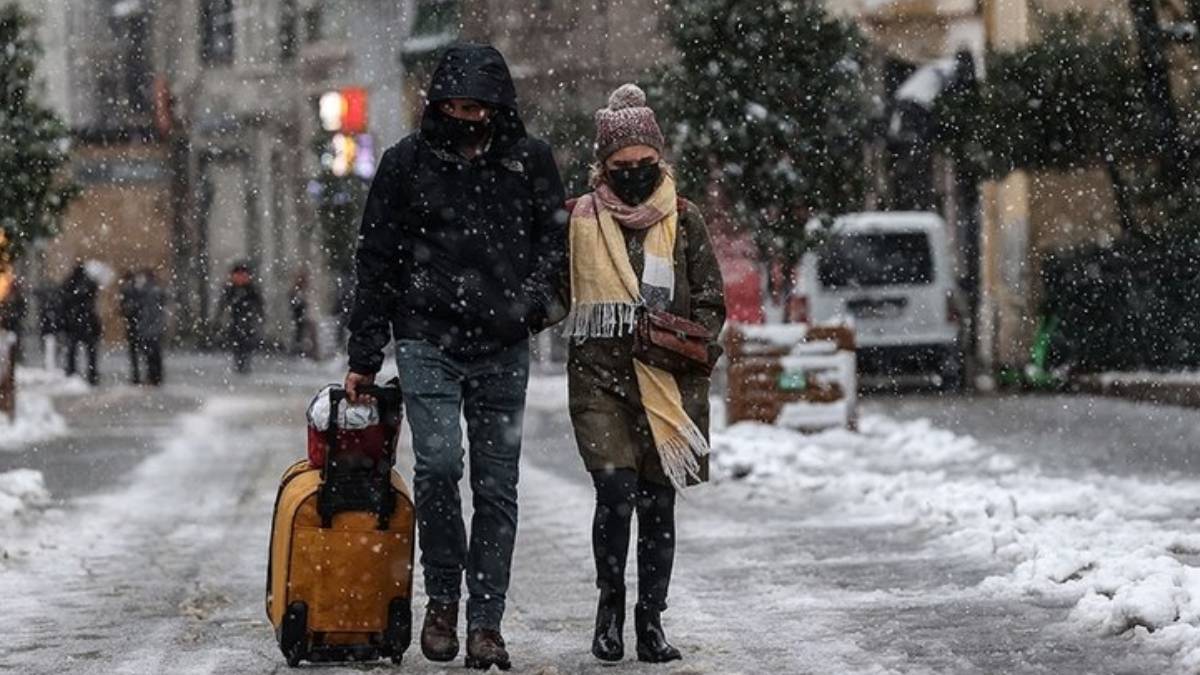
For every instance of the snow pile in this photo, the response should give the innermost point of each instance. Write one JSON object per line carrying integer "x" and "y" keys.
{"x": 35, "y": 421}
{"x": 21, "y": 490}
{"x": 1122, "y": 553}
{"x": 1126, "y": 567}
{"x": 883, "y": 448}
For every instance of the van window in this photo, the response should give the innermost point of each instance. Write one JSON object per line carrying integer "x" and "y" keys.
{"x": 876, "y": 259}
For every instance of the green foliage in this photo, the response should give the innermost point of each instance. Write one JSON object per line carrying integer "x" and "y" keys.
{"x": 1131, "y": 306}
{"x": 1069, "y": 99}
{"x": 1075, "y": 98}
{"x": 33, "y": 143}
{"x": 768, "y": 101}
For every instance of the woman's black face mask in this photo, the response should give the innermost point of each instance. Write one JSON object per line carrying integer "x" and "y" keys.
{"x": 635, "y": 184}
{"x": 456, "y": 133}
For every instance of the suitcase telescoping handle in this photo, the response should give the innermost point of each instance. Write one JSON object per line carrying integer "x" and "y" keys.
{"x": 383, "y": 500}
{"x": 387, "y": 395}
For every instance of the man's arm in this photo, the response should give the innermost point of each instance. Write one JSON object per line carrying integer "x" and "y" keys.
{"x": 375, "y": 269}
{"x": 550, "y": 236}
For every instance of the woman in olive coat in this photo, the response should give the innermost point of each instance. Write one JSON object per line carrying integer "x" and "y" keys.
{"x": 635, "y": 244}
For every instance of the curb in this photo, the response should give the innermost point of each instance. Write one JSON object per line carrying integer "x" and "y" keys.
{"x": 1186, "y": 394}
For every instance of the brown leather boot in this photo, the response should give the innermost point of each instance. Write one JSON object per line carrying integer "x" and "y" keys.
{"x": 439, "y": 634}
{"x": 485, "y": 648}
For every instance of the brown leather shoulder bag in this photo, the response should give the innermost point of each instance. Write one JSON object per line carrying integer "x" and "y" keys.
{"x": 671, "y": 342}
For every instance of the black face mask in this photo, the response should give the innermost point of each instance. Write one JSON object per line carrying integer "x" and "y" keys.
{"x": 456, "y": 133}
{"x": 635, "y": 185}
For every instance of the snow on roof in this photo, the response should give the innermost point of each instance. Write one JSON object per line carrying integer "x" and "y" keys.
{"x": 428, "y": 42}
{"x": 924, "y": 85}
{"x": 889, "y": 221}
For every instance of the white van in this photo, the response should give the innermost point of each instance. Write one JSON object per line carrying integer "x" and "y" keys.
{"x": 890, "y": 275}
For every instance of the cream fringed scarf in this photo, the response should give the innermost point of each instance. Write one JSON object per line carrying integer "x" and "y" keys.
{"x": 605, "y": 296}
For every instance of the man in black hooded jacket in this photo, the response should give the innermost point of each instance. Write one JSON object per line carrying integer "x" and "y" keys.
{"x": 462, "y": 236}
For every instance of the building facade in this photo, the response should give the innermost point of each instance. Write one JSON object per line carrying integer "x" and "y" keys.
{"x": 197, "y": 118}
{"x": 212, "y": 106}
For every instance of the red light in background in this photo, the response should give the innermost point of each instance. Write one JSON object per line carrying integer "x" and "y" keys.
{"x": 354, "y": 116}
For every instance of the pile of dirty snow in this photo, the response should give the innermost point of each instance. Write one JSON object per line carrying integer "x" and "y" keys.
{"x": 21, "y": 490}
{"x": 1123, "y": 553}
{"x": 35, "y": 421}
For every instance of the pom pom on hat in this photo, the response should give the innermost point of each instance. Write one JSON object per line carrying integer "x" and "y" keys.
{"x": 626, "y": 121}
{"x": 627, "y": 96}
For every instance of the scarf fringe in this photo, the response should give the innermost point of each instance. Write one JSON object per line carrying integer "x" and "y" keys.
{"x": 680, "y": 455}
{"x": 600, "y": 320}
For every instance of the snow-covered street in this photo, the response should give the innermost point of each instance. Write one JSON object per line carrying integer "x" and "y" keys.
{"x": 921, "y": 544}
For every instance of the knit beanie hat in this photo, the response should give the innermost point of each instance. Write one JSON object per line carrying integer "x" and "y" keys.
{"x": 626, "y": 121}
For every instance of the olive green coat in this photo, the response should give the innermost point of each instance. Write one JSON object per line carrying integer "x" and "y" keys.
{"x": 611, "y": 428}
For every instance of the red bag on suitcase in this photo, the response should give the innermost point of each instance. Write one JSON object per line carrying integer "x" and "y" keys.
{"x": 364, "y": 430}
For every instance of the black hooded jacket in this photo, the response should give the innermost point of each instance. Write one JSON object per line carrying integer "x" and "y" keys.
{"x": 459, "y": 253}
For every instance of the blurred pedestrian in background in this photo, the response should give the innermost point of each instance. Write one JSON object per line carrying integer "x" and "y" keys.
{"x": 129, "y": 304}
{"x": 49, "y": 302}
{"x": 304, "y": 332}
{"x": 241, "y": 309}
{"x": 151, "y": 324}
{"x": 81, "y": 321}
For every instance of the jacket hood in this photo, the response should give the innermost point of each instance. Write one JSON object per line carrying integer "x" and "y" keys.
{"x": 476, "y": 72}
{"x": 473, "y": 71}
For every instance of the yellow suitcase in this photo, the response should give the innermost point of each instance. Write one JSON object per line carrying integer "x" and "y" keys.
{"x": 340, "y": 568}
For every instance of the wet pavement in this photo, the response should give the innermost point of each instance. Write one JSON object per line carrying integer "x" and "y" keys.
{"x": 154, "y": 561}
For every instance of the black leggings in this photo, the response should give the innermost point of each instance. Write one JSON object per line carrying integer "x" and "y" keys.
{"x": 618, "y": 494}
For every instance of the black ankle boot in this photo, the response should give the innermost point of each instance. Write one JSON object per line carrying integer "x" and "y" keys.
{"x": 608, "y": 644}
{"x": 652, "y": 645}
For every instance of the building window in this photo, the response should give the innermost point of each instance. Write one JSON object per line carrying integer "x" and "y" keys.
{"x": 288, "y": 31}
{"x": 130, "y": 71}
{"x": 435, "y": 17}
{"x": 138, "y": 73}
{"x": 216, "y": 32}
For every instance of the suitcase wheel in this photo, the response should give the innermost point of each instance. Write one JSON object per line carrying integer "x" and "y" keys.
{"x": 398, "y": 634}
{"x": 292, "y": 633}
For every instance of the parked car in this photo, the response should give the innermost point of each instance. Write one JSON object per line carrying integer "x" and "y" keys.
{"x": 890, "y": 275}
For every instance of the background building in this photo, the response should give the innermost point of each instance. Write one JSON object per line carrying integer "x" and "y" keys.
{"x": 194, "y": 125}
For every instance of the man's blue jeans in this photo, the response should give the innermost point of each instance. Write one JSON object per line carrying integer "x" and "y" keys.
{"x": 490, "y": 393}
